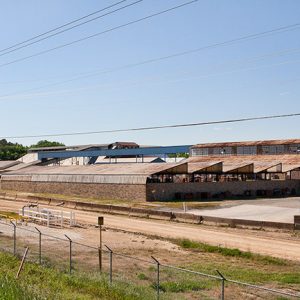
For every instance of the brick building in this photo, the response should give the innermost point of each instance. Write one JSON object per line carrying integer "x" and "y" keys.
{"x": 213, "y": 171}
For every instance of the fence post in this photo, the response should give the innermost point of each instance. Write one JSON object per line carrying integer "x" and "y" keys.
{"x": 15, "y": 237}
{"x": 40, "y": 245}
{"x": 22, "y": 263}
{"x": 110, "y": 263}
{"x": 223, "y": 279}
{"x": 70, "y": 254}
{"x": 157, "y": 276}
{"x": 100, "y": 259}
{"x": 48, "y": 218}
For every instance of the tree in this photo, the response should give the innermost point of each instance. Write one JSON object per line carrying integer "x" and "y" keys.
{"x": 45, "y": 143}
{"x": 11, "y": 151}
{"x": 185, "y": 155}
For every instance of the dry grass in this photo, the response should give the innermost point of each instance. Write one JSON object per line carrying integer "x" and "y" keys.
{"x": 165, "y": 204}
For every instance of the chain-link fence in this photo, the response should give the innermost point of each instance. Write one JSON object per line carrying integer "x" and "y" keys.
{"x": 160, "y": 280}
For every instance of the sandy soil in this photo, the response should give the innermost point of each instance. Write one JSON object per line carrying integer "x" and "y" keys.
{"x": 278, "y": 244}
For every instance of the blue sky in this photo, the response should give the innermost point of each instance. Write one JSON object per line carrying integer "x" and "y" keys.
{"x": 244, "y": 79}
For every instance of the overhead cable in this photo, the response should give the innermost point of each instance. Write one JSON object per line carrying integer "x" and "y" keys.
{"x": 60, "y": 27}
{"x": 157, "y": 127}
{"x": 227, "y": 42}
{"x": 74, "y": 26}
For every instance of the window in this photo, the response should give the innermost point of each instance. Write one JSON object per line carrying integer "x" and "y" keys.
{"x": 294, "y": 149}
{"x": 200, "y": 152}
{"x": 247, "y": 150}
{"x": 274, "y": 149}
{"x": 222, "y": 151}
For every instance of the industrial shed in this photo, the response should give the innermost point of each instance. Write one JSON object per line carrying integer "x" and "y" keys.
{"x": 221, "y": 177}
{"x": 213, "y": 171}
{"x": 246, "y": 164}
{"x": 125, "y": 181}
{"x": 194, "y": 178}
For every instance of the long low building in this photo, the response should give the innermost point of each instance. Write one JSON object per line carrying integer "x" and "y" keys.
{"x": 209, "y": 174}
{"x": 126, "y": 181}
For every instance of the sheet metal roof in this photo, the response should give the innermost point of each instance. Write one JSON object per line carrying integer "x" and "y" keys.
{"x": 205, "y": 166}
{"x": 238, "y": 168}
{"x": 124, "y": 173}
{"x": 248, "y": 143}
{"x": 22, "y": 166}
{"x": 107, "y": 169}
{"x": 287, "y": 168}
{"x": 252, "y": 163}
{"x": 145, "y": 159}
{"x": 4, "y": 164}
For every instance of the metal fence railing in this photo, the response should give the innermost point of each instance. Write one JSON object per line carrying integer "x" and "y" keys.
{"x": 162, "y": 281}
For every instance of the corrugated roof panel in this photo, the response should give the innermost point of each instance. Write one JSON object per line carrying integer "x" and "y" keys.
{"x": 107, "y": 169}
{"x": 290, "y": 167}
{"x": 110, "y": 179}
{"x": 238, "y": 168}
{"x": 249, "y": 143}
{"x": 209, "y": 166}
{"x": 4, "y": 164}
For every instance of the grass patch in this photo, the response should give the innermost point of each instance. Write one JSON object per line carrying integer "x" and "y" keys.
{"x": 183, "y": 287}
{"x": 192, "y": 245}
{"x": 52, "y": 284}
{"x": 9, "y": 215}
{"x": 142, "y": 276}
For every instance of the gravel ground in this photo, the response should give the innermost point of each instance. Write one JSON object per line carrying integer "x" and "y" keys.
{"x": 276, "y": 210}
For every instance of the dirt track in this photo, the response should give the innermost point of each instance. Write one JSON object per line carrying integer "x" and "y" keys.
{"x": 274, "y": 244}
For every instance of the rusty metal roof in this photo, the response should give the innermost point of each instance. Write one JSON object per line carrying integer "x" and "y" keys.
{"x": 249, "y": 143}
{"x": 242, "y": 163}
{"x": 205, "y": 166}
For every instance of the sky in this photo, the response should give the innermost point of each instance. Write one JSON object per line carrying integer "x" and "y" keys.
{"x": 89, "y": 86}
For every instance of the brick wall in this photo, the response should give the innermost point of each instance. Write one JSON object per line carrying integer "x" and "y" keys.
{"x": 166, "y": 191}
{"x": 134, "y": 192}
{"x": 151, "y": 192}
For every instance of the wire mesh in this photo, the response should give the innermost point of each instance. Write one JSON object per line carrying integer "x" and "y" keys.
{"x": 56, "y": 252}
{"x": 27, "y": 238}
{"x": 131, "y": 272}
{"x": 239, "y": 291}
{"x": 180, "y": 284}
{"x": 140, "y": 273}
{"x": 6, "y": 236}
{"x": 85, "y": 258}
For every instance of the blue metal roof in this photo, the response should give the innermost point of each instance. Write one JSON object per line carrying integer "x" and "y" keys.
{"x": 149, "y": 151}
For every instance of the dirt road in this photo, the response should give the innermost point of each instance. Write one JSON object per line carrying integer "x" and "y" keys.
{"x": 258, "y": 242}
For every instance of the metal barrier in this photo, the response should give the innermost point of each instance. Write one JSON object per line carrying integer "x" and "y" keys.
{"x": 71, "y": 256}
{"x": 49, "y": 216}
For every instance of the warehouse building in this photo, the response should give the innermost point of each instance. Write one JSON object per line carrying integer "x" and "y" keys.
{"x": 213, "y": 171}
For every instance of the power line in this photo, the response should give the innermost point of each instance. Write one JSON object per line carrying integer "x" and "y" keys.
{"x": 41, "y": 94}
{"x": 232, "y": 41}
{"x": 149, "y": 61}
{"x": 156, "y": 127}
{"x": 95, "y": 73}
{"x": 75, "y": 26}
{"x": 100, "y": 33}
{"x": 61, "y": 26}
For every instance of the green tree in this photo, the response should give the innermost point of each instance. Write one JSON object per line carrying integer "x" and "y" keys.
{"x": 11, "y": 151}
{"x": 185, "y": 155}
{"x": 45, "y": 143}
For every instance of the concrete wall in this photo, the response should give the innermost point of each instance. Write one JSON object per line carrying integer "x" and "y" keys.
{"x": 133, "y": 192}
{"x": 166, "y": 191}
